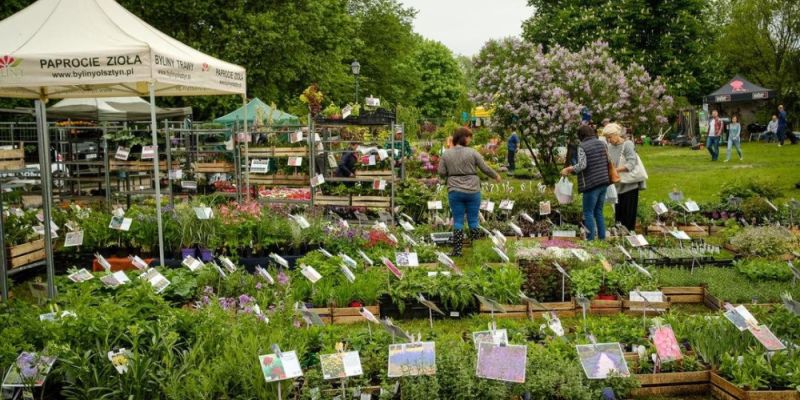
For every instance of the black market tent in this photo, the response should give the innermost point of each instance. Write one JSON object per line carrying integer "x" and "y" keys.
{"x": 739, "y": 89}
{"x": 111, "y": 109}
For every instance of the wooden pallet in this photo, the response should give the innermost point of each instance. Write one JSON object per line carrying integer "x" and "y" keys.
{"x": 519, "y": 311}
{"x": 26, "y": 253}
{"x": 685, "y": 294}
{"x": 268, "y": 152}
{"x": 385, "y": 174}
{"x": 722, "y": 389}
{"x": 639, "y": 307}
{"x": 12, "y": 159}
{"x": 212, "y": 167}
{"x": 341, "y": 201}
{"x": 672, "y": 384}
{"x": 699, "y": 231}
{"x": 562, "y": 309}
{"x": 324, "y": 314}
{"x": 372, "y": 201}
{"x": 351, "y": 315}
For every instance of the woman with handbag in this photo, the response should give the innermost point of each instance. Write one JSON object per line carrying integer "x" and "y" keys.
{"x": 632, "y": 175}
{"x": 594, "y": 175}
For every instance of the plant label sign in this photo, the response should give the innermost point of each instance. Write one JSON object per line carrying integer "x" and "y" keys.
{"x": 660, "y": 208}
{"x": 650, "y": 297}
{"x": 435, "y": 205}
{"x": 347, "y": 273}
{"x": 120, "y": 223}
{"x": 680, "y": 235}
{"x": 73, "y": 239}
{"x": 301, "y": 221}
{"x": 666, "y": 344}
{"x": 676, "y": 195}
{"x": 296, "y": 137}
{"x": 263, "y": 273}
{"x": 192, "y": 263}
{"x": 412, "y": 359}
{"x": 502, "y": 362}
{"x": 406, "y": 225}
{"x": 487, "y": 206}
{"x": 365, "y": 258}
{"x": 122, "y": 153}
{"x": 317, "y": 180}
{"x": 602, "y": 359}
{"x": 155, "y": 279}
{"x": 280, "y": 367}
{"x": 544, "y": 208}
{"x": 497, "y": 336}
{"x": 295, "y": 161}
{"x": 175, "y": 174}
{"x": 766, "y": 338}
{"x": 189, "y": 185}
{"x": 31, "y": 371}
{"x": 340, "y": 365}
{"x": 259, "y": 166}
{"x": 138, "y": 262}
{"x": 501, "y": 254}
{"x": 349, "y": 261}
{"x": 149, "y": 152}
{"x": 82, "y": 275}
{"x": 203, "y": 212}
{"x": 507, "y": 205}
{"x": 103, "y": 262}
{"x": 279, "y": 260}
{"x": 368, "y": 315}
{"x": 379, "y": 184}
{"x": 115, "y": 280}
{"x": 310, "y": 273}
{"x": 383, "y": 154}
{"x": 407, "y": 259}
{"x": 636, "y": 240}
{"x": 392, "y": 268}
{"x": 691, "y": 206}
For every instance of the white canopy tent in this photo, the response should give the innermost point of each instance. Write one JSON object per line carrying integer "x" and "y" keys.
{"x": 96, "y": 48}
{"x": 111, "y": 109}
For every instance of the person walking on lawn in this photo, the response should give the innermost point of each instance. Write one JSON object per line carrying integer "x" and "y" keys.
{"x": 715, "y": 127}
{"x": 513, "y": 146}
{"x": 459, "y": 167}
{"x": 734, "y": 138}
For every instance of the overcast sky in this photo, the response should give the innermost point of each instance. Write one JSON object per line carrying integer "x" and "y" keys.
{"x": 465, "y": 25}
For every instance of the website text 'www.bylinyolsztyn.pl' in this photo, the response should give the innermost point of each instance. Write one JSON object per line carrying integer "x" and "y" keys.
{"x": 94, "y": 74}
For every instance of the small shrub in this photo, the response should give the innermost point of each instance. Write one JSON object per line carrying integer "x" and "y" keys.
{"x": 765, "y": 241}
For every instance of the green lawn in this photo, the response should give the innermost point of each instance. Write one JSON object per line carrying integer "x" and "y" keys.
{"x": 700, "y": 179}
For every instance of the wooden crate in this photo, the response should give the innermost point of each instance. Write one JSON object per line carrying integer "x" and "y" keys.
{"x": 279, "y": 179}
{"x": 267, "y": 152}
{"x": 350, "y": 315}
{"x": 324, "y": 314}
{"x": 212, "y": 167}
{"x": 341, "y": 201}
{"x": 672, "y": 384}
{"x": 12, "y": 159}
{"x": 699, "y": 231}
{"x": 605, "y": 307}
{"x": 384, "y": 174}
{"x": 26, "y": 253}
{"x": 711, "y": 301}
{"x": 512, "y": 311}
{"x": 137, "y": 166}
{"x": 562, "y": 309}
{"x": 638, "y": 307}
{"x": 372, "y": 201}
{"x": 722, "y": 389}
{"x": 684, "y": 294}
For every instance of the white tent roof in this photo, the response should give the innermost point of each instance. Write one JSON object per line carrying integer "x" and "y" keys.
{"x": 97, "y": 48}
{"x": 111, "y": 109}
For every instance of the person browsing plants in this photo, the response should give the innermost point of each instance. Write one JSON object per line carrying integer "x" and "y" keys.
{"x": 459, "y": 166}
{"x": 592, "y": 169}
{"x": 348, "y": 162}
{"x": 633, "y": 177}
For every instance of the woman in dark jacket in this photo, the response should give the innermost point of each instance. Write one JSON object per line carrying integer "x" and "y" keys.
{"x": 593, "y": 180}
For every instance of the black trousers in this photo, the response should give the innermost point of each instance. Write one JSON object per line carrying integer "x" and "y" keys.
{"x": 512, "y": 160}
{"x": 625, "y": 209}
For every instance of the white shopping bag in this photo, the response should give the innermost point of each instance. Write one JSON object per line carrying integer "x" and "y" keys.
{"x": 611, "y": 194}
{"x": 564, "y": 191}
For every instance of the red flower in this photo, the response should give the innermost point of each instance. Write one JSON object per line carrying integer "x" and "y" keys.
{"x": 6, "y": 61}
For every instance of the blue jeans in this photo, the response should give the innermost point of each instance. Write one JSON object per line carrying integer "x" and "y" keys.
{"x": 460, "y": 203}
{"x": 593, "y": 202}
{"x": 712, "y": 144}
{"x": 734, "y": 143}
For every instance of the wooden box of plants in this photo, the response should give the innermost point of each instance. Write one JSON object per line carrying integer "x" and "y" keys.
{"x": 324, "y": 314}
{"x": 136, "y": 166}
{"x": 371, "y": 201}
{"x": 694, "y": 231}
{"x": 561, "y": 308}
{"x": 213, "y": 167}
{"x": 12, "y": 159}
{"x": 326, "y": 200}
{"x": 26, "y": 253}
{"x": 351, "y": 315}
{"x": 512, "y": 311}
{"x": 279, "y": 179}
{"x": 672, "y": 384}
{"x": 685, "y": 294}
{"x": 269, "y": 152}
{"x": 376, "y": 174}
{"x": 638, "y": 307}
{"x": 723, "y": 389}
{"x": 605, "y": 307}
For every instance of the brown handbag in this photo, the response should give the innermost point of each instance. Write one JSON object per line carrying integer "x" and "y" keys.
{"x": 613, "y": 175}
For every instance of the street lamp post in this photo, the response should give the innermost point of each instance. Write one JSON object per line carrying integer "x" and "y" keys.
{"x": 355, "y": 67}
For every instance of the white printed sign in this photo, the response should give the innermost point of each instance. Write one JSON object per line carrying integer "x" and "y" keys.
{"x": 122, "y": 153}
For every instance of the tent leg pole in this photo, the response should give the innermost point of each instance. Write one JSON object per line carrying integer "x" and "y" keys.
{"x": 3, "y": 266}
{"x": 246, "y": 149}
{"x": 156, "y": 176}
{"x": 47, "y": 194}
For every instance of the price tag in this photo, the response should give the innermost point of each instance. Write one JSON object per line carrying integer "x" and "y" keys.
{"x": 507, "y": 205}
{"x": 175, "y": 174}
{"x": 317, "y": 180}
{"x": 189, "y": 185}
{"x": 295, "y": 161}
{"x": 192, "y": 263}
{"x": 310, "y": 273}
{"x": 148, "y": 152}
{"x": 435, "y": 205}
{"x": 379, "y": 184}
{"x": 259, "y": 166}
{"x": 73, "y": 239}
{"x": 122, "y": 153}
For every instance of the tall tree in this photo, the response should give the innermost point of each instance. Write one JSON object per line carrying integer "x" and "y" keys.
{"x": 670, "y": 38}
{"x": 441, "y": 78}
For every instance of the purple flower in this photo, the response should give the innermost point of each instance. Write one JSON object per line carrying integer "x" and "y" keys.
{"x": 258, "y": 286}
{"x": 208, "y": 290}
{"x": 283, "y": 279}
{"x": 244, "y": 300}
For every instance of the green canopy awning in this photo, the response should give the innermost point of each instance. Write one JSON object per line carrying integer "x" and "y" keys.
{"x": 259, "y": 114}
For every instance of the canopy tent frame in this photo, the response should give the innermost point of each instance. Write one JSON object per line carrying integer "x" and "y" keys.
{"x": 156, "y": 64}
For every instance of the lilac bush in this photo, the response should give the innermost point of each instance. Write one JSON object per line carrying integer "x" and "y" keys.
{"x": 541, "y": 94}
